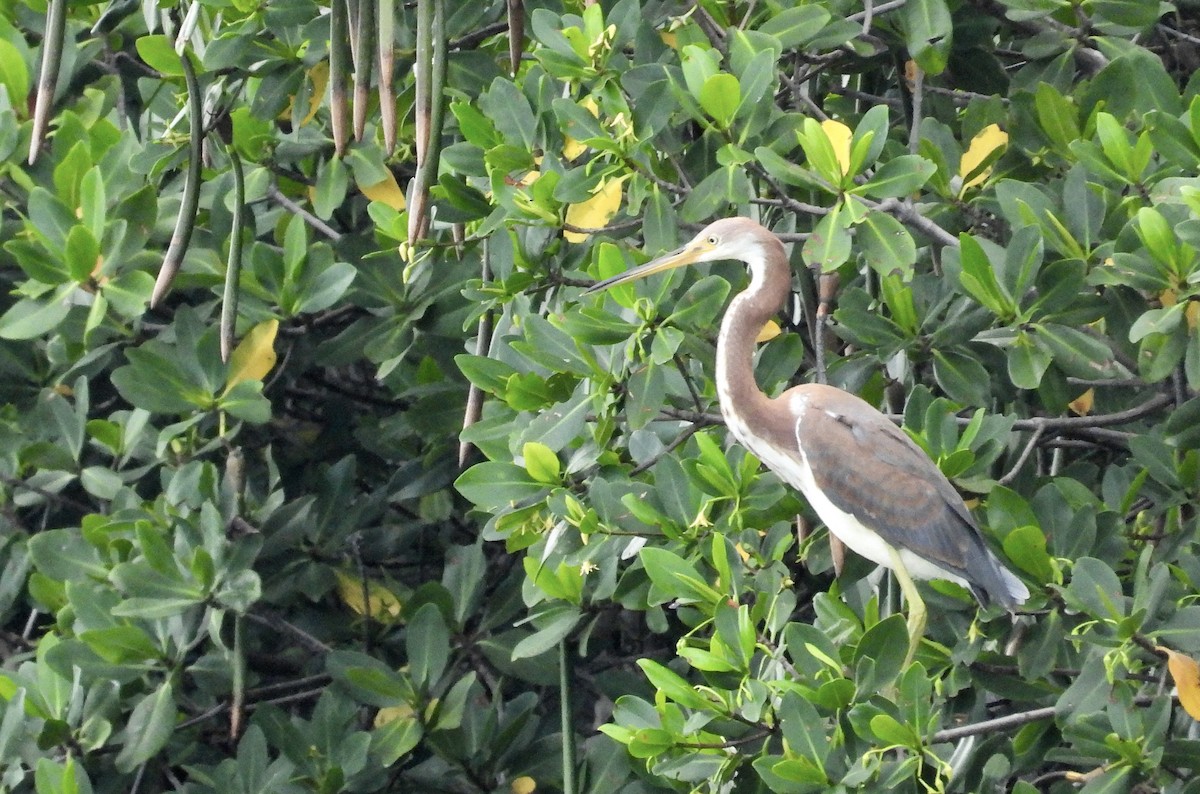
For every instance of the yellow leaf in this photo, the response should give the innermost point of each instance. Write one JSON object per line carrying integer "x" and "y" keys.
{"x": 1186, "y": 674}
{"x": 386, "y": 191}
{"x": 839, "y": 136}
{"x": 254, "y": 356}
{"x": 668, "y": 38}
{"x": 597, "y": 211}
{"x": 1082, "y": 405}
{"x": 571, "y": 147}
{"x": 383, "y": 604}
{"x": 319, "y": 75}
{"x": 989, "y": 139}
{"x": 523, "y": 785}
{"x": 392, "y": 713}
{"x": 768, "y": 332}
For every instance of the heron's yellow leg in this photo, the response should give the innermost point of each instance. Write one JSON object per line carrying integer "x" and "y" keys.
{"x": 916, "y": 606}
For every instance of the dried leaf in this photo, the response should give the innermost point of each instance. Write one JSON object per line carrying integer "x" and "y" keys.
{"x": 769, "y": 331}
{"x": 839, "y": 136}
{"x": 319, "y": 75}
{"x": 523, "y": 785}
{"x": 381, "y": 603}
{"x": 392, "y": 713}
{"x": 1082, "y": 405}
{"x": 989, "y": 139}
{"x": 597, "y": 211}
{"x": 254, "y": 356}
{"x": 386, "y": 192}
{"x": 571, "y": 147}
{"x": 1185, "y": 671}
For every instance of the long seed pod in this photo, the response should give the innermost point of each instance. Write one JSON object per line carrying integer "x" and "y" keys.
{"x": 233, "y": 265}
{"x": 186, "y": 221}
{"x": 516, "y": 33}
{"x": 431, "y": 109}
{"x": 386, "y": 36}
{"x": 483, "y": 345}
{"x": 422, "y": 77}
{"x": 339, "y": 70}
{"x": 52, "y": 47}
{"x": 364, "y": 60}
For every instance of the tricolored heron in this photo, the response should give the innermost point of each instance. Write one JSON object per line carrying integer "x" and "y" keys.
{"x": 874, "y": 488}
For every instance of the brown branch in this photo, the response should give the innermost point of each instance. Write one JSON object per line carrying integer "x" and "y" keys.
{"x": 294, "y": 208}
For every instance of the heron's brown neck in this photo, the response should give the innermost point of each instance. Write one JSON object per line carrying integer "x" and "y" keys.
{"x": 744, "y": 320}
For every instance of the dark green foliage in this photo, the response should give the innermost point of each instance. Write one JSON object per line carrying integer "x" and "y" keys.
{"x": 273, "y": 575}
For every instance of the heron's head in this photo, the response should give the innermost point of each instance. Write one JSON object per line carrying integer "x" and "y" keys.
{"x": 729, "y": 238}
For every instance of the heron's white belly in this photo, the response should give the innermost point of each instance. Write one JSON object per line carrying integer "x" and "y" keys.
{"x": 848, "y": 529}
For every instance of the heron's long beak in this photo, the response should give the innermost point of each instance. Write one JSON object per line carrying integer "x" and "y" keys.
{"x": 687, "y": 255}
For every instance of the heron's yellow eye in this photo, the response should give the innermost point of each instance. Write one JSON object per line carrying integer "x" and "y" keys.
{"x": 712, "y": 239}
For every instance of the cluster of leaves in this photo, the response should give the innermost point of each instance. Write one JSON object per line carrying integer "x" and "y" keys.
{"x": 272, "y": 573}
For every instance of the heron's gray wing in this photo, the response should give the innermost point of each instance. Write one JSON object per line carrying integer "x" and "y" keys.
{"x": 869, "y": 468}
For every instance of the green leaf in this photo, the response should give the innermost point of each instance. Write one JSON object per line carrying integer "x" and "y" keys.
{"x": 720, "y": 97}
{"x": 396, "y": 738}
{"x": 901, "y": 176}
{"x": 369, "y": 680}
{"x": 65, "y": 555}
{"x": 154, "y": 381}
{"x": 818, "y": 150}
{"x": 493, "y": 485}
{"x": 451, "y": 709}
{"x": 890, "y": 731}
{"x": 246, "y": 401}
{"x": 510, "y": 112}
{"x": 1057, "y": 116}
{"x": 962, "y": 376}
{"x": 886, "y": 643}
{"x": 428, "y": 645}
{"x": 487, "y": 373}
{"x": 978, "y": 278}
{"x": 1026, "y": 547}
{"x": 803, "y": 729}
{"x": 27, "y": 318}
{"x": 150, "y": 726}
{"x": 1076, "y": 352}
{"x": 549, "y": 634}
{"x": 1027, "y": 362}
{"x": 675, "y": 577}
{"x": 1095, "y": 589}
{"x": 541, "y": 463}
{"x": 93, "y": 202}
{"x": 886, "y": 245}
{"x": 120, "y": 644}
{"x": 795, "y": 26}
{"x": 14, "y": 74}
{"x": 829, "y": 245}
{"x": 786, "y": 171}
{"x": 673, "y": 685}
{"x": 158, "y": 52}
{"x": 927, "y": 26}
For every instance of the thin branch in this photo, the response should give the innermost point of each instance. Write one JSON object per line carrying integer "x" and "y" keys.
{"x": 1012, "y": 473}
{"x": 997, "y": 724}
{"x": 904, "y": 212}
{"x": 294, "y": 208}
{"x": 676, "y": 442}
{"x": 873, "y": 10}
{"x": 747, "y": 739}
{"x": 1013, "y": 721}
